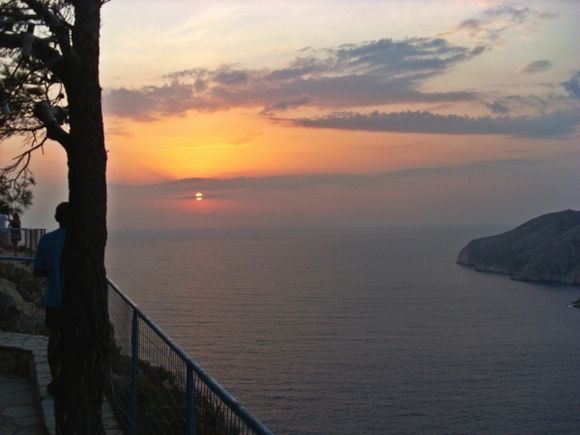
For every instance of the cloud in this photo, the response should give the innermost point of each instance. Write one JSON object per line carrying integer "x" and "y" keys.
{"x": 224, "y": 187}
{"x": 536, "y": 66}
{"x": 151, "y": 101}
{"x": 524, "y": 104}
{"x": 553, "y": 101}
{"x": 380, "y": 72}
{"x": 285, "y": 105}
{"x": 229, "y": 76}
{"x": 572, "y": 86}
{"x": 491, "y": 25}
{"x": 555, "y": 125}
{"x": 497, "y": 107}
{"x": 354, "y": 76}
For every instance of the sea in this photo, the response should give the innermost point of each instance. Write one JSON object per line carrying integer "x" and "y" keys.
{"x": 361, "y": 330}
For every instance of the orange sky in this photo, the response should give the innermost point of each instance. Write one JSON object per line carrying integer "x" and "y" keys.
{"x": 238, "y": 142}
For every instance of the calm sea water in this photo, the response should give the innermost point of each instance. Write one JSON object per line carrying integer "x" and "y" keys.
{"x": 363, "y": 331}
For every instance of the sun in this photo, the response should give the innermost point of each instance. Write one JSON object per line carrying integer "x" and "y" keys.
{"x": 199, "y": 196}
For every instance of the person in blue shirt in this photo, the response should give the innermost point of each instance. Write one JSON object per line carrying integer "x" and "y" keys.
{"x": 48, "y": 264}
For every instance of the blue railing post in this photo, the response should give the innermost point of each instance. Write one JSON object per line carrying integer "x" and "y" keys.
{"x": 134, "y": 367}
{"x": 190, "y": 392}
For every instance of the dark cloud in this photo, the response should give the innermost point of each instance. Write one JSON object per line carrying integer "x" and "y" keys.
{"x": 572, "y": 86}
{"x": 491, "y": 25}
{"x": 497, "y": 107}
{"x": 536, "y": 66}
{"x": 130, "y": 103}
{"x": 228, "y": 76}
{"x": 471, "y": 24}
{"x": 151, "y": 101}
{"x": 379, "y": 72}
{"x": 285, "y": 105}
{"x": 301, "y": 67}
{"x": 528, "y": 104}
{"x": 556, "y": 125}
{"x": 414, "y": 56}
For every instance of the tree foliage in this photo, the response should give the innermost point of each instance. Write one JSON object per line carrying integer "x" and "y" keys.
{"x": 35, "y": 37}
{"x": 15, "y": 194}
{"x": 27, "y": 82}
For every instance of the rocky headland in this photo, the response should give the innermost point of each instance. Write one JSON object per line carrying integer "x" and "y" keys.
{"x": 545, "y": 249}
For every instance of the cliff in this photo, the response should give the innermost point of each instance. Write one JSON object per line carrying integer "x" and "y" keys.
{"x": 544, "y": 249}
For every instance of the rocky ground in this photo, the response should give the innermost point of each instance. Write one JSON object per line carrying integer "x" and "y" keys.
{"x": 20, "y": 297}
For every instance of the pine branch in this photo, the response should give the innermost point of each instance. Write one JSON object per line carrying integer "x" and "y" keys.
{"x": 57, "y": 25}
{"x": 41, "y": 50}
{"x": 19, "y": 157}
{"x": 10, "y": 41}
{"x": 54, "y": 131}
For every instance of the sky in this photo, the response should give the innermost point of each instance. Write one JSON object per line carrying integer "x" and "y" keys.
{"x": 334, "y": 113}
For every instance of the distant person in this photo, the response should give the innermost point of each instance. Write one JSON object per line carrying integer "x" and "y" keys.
{"x": 48, "y": 263}
{"x": 15, "y": 235}
{"x": 3, "y": 232}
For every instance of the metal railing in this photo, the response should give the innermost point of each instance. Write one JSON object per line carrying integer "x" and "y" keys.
{"x": 29, "y": 237}
{"x": 156, "y": 388}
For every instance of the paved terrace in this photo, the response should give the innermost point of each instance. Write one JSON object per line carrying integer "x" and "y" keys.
{"x": 17, "y": 411}
{"x": 25, "y": 405}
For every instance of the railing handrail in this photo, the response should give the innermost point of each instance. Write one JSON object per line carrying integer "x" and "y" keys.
{"x": 29, "y": 237}
{"x": 24, "y": 229}
{"x": 19, "y": 258}
{"x": 215, "y": 386}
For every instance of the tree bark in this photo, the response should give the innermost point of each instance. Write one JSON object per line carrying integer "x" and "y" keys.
{"x": 85, "y": 344}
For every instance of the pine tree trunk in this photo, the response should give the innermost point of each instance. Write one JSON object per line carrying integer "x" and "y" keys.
{"x": 86, "y": 336}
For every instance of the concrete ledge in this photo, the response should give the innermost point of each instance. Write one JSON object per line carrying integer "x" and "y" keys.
{"x": 25, "y": 355}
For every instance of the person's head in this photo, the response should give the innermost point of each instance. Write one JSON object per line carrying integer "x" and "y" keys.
{"x": 62, "y": 214}
{"x": 15, "y": 216}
